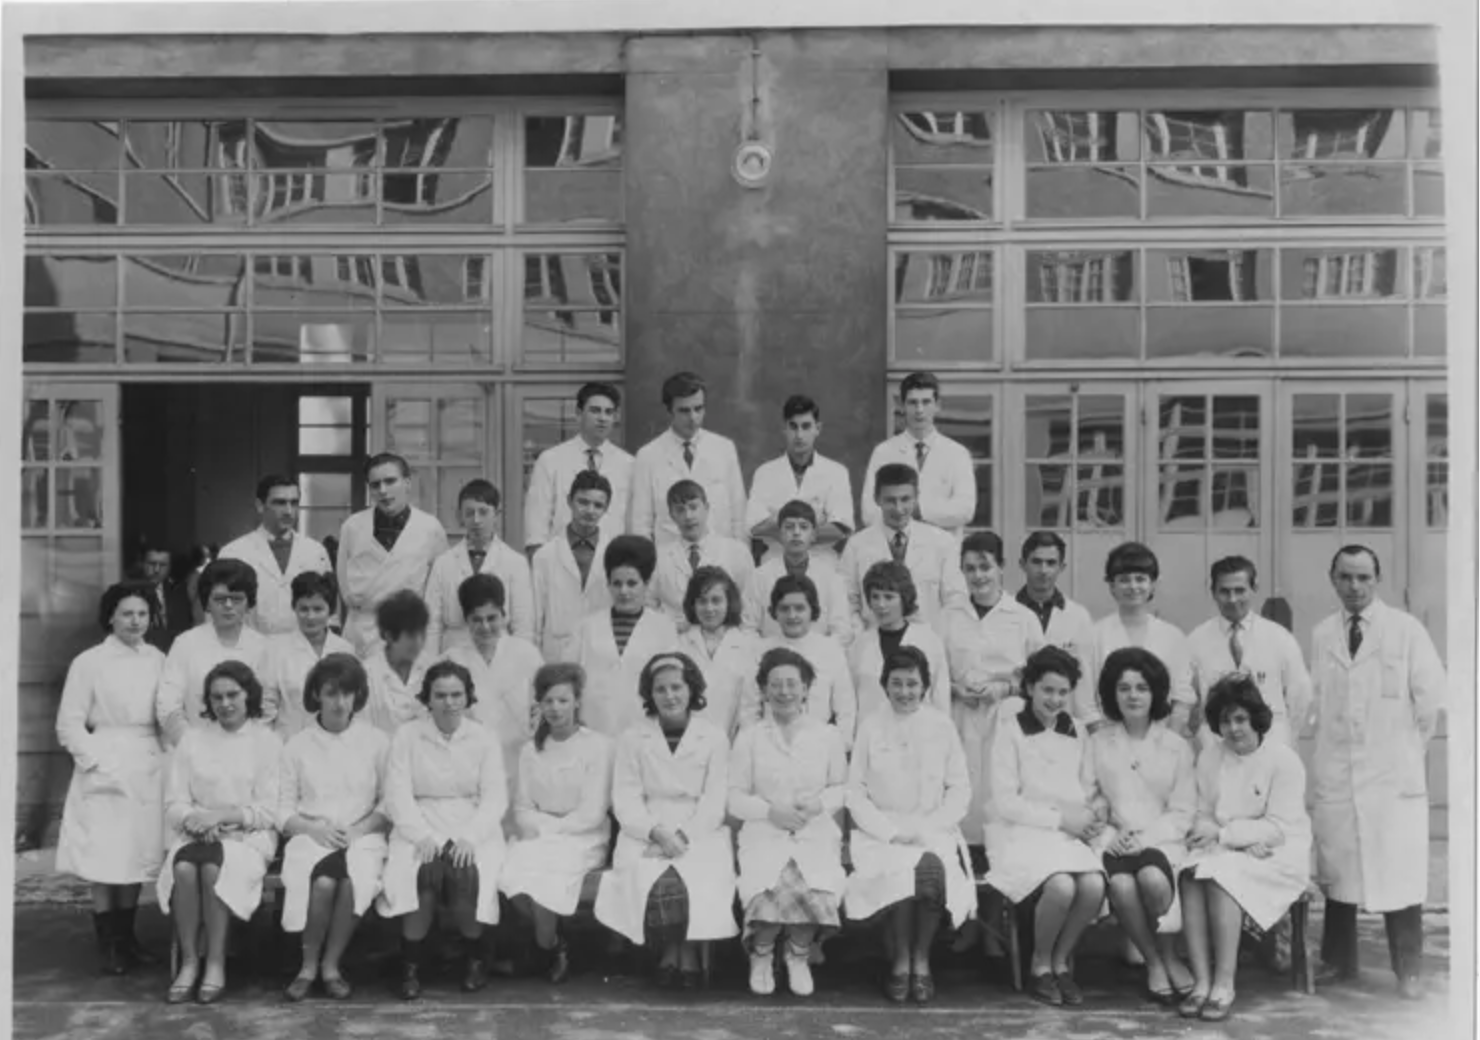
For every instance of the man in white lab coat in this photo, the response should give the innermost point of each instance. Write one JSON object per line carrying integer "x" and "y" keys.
{"x": 567, "y": 571}
{"x": 801, "y": 474}
{"x": 687, "y": 451}
{"x": 278, "y": 553}
{"x": 698, "y": 546}
{"x": 1380, "y": 689}
{"x": 947, "y": 496}
{"x": 1065, "y": 623}
{"x": 481, "y": 551}
{"x": 384, "y": 549}
{"x": 546, "y": 502}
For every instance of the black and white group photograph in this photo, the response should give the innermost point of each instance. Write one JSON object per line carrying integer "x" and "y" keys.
{"x": 578, "y": 521}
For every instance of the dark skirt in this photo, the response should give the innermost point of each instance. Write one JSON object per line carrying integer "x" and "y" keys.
{"x": 1133, "y": 864}
{"x": 457, "y": 884}
{"x": 666, "y": 919}
{"x": 200, "y": 853}
{"x": 332, "y": 866}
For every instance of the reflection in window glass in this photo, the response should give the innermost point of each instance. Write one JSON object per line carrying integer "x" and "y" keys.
{"x": 460, "y": 428}
{"x": 1369, "y": 426}
{"x": 1081, "y": 137}
{"x": 1343, "y": 190}
{"x": 1316, "y": 431}
{"x": 1343, "y": 332}
{"x": 1205, "y": 140}
{"x": 1087, "y": 192}
{"x": 545, "y": 422}
{"x": 1369, "y": 495}
{"x": 1235, "y": 497}
{"x": 1209, "y": 275}
{"x": 1436, "y": 495}
{"x": 79, "y": 497}
{"x": 35, "y": 497}
{"x": 1430, "y": 275}
{"x": 943, "y": 277}
{"x": 943, "y": 334}
{"x": 926, "y": 193}
{"x": 1081, "y": 277}
{"x": 947, "y": 137}
{"x": 1317, "y": 498}
{"x": 1235, "y": 427}
{"x": 1081, "y": 332}
{"x": 75, "y": 199}
{"x": 312, "y": 337}
{"x": 1361, "y": 272}
{"x": 206, "y": 337}
{"x": 1238, "y": 191}
{"x": 67, "y": 282}
{"x": 1180, "y": 495}
{"x": 191, "y": 280}
{"x": 1183, "y": 430}
{"x": 1341, "y": 134}
{"x": 408, "y": 425}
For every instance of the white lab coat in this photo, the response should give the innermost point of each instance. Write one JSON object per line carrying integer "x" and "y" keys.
{"x": 182, "y": 695}
{"x": 947, "y": 483}
{"x": 832, "y": 697}
{"x": 446, "y": 627}
{"x": 504, "y": 688}
{"x": 338, "y": 778}
{"x": 274, "y": 611}
{"x": 832, "y": 597}
{"x": 113, "y": 819}
{"x": 368, "y": 574}
{"x": 564, "y": 795}
{"x": 1164, "y": 640}
{"x": 290, "y": 657}
{"x": 547, "y": 499}
{"x": 685, "y": 789}
{"x": 393, "y": 703}
{"x": 659, "y": 465}
{"x": 729, "y": 673}
{"x": 671, "y": 578}
{"x": 1270, "y": 655}
{"x": 934, "y": 561}
{"x": 825, "y": 486}
{"x": 1374, "y": 717}
{"x": 1071, "y": 628}
{"x": 611, "y": 703}
{"x": 866, "y": 662}
{"x": 560, "y": 600}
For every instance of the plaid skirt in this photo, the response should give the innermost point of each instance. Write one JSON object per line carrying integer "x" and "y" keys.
{"x": 930, "y": 880}
{"x": 666, "y": 919}
{"x": 790, "y": 901}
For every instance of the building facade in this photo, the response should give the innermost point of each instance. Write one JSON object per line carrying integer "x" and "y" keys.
{"x": 1183, "y": 285}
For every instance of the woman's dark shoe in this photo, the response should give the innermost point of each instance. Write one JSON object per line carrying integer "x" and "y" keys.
{"x": 1192, "y": 1004}
{"x": 338, "y": 988}
{"x": 209, "y": 992}
{"x": 692, "y": 980}
{"x": 110, "y": 955}
{"x": 922, "y": 988}
{"x": 1045, "y": 989}
{"x": 183, "y": 988}
{"x": 1069, "y": 989}
{"x": 410, "y": 987}
{"x": 1216, "y": 1009}
{"x": 559, "y": 969}
{"x": 897, "y": 987}
{"x": 128, "y": 943}
{"x": 297, "y": 989}
{"x": 1164, "y": 997}
{"x": 668, "y": 976}
{"x": 475, "y": 975}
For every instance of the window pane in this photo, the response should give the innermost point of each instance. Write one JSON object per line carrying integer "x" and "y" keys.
{"x": 1180, "y": 496}
{"x": 324, "y": 440}
{"x": 451, "y": 480}
{"x": 408, "y": 427}
{"x": 1436, "y": 423}
{"x": 926, "y": 193}
{"x": 75, "y": 199}
{"x": 194, "y": 280}
{"x": 460, "y": 428}
{"x": 1426, "y": 134}
{"x": 69, "y": 337}
{"x": 1210, "y": 191}
{"x": 1316, "y": 430}
{"x": 456, "y": 142}
{"x": 1369, "y": 426}
{"x": 1363, "y": 272}
{"x": 320, "y": 524}
{"x": 76, "y": 580}
{"x": 1428, "y": 190}
{"x": 1208, "y": 136}
{"x": 298, "y": 281}
{"x": 1081, "y": 277}
{"x": 1100, "y": 496}
{"x": 1235, "y": 427}
{"x": 1369, "y": 495}
{"x": 1183, "y": 428}
{"x": 1231, "y": 332}
{"x": 317, "y": 337}
{"x": 35, "y": 497}
{"x": 1344, "y": 332}
{"x": 205, "y": 337}
{"x": 573, "y": 279}
{"x": 1101, "y": 427}
{"x": 1436, "y": 495}
{"x": 325, "y": 411}
{"x": 1048, "y": 423}
{"x": 441, "y": 336}
{"x": 1430, "y": 273}
{"x": 1058, "y": 333}
{"x": 71, "y": 281}
{"x": 437, "y": 198}
{"x": 945, "y": 137}
{"x": 183, "y": 144}
{"x": 1209, "y": 275}
{"x": 968, "y": 419}
{"x": 1049, "y": 498}
{"x": 36, "y": 431}
{"x": 572, "y": 196}
{"x": 1096, "y": 192}
{"x": 1343, "y": 190}
{"x": 943, "y": 277}
{"x": 957, "y": 334}
{"x": 586, "y": 141}
{"x": 571, "y": 337}
{"x": 1317, "y": 496}
{"x": 410, "y": 280}
{"x": 1430, "y": 331}
{"x": 79, "y": 497}
{"x": 1235, "y": 492}
{"x": 544, "y": 422}
{"x": 71, "y": 144}
{"x": 189, "y": 197}
{"x": 1335, "y": 133}
{"x": 79, "y": 432}
{"x": 313, "y": 197}
{"x": 1084, "y": 137}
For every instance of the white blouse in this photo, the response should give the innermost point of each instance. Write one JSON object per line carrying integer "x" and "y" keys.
{"x": 109, "y": 686}
{"x": 907, "y": 768}
{"x": 212, "y": 769}
{"x": 1258, "y": 797}
{"x": 729, "y": 675}
{"x": 1036, "y": 770}
{"x": 182, "y": 696}
{"x": 446, "y": 788}
{"x": 393, "y": 702}
{"x": 1149, "y": 784}
{"x": 336, "y": 777}
{"x": 832, "y": 697}
{"x": 565, "y": 788}
{"x": 288, "y": 660}
{"x": 765, "y": 770}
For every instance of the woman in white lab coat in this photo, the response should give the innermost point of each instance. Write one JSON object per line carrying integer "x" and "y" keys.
{"x": 1143, "y": 772}
{"x": 788, "y": 781}
{"x": 560, "y": 813}
{"x": 672, "y": 882}
{"x": 446, "y": 794}
{"x": 907, "y": 793}
{"x": 724, "y": 651}
{"x": 889, "y": 589}
{"x": 502, "y": 665}
{"x": 1250, "y": 842}
{"x": 795, "y": 606}
{"x": 397, "y": 666}
{"x": 332, "y": 792}
{"x": 1041, "y": 820}
{"x": 291, "y": 655}
{"x": 112, "y": 822}
{"x": 613, "y": 645}
{"x": 221, "y": 811}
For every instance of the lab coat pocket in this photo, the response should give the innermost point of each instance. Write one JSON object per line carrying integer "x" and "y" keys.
{"x": 103, "y": 781}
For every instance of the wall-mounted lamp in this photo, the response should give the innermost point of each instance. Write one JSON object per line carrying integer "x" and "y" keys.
{"x": 751, "y": 167}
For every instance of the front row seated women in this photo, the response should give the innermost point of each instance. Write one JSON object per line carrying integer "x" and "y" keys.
{"x": 1250, "y": 842}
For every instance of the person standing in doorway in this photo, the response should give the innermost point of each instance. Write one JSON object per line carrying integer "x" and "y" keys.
{"x": 278, "y": 553}
{"x": 947, "y": 482}
{"x": 547, "y": 504}
{"x": 801, "y": 474}
{"x": 172, "y": 611}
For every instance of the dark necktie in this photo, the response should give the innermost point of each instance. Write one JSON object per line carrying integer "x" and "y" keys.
{"x": 592, "y": 455}
{"x": 1354, "y": 634}
{"x": 688, "y": 454}
{"x": 920, "y": 452}
{"x": 1235, "y": 645}
{"x": 693, "y": 557}
{"x": 282, "y": 551}
{"x": 476, "y": 558}
{"x": 897, "y": 546}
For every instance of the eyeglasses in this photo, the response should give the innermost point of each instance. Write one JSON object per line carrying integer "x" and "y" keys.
{"x": 230, "y": 599}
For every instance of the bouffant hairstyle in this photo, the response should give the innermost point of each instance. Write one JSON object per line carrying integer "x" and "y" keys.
{"x": 244, "y": 677}
{"x": 704, "y": 579}
{"x": 560, "y": 673}
{"x": 401, "y": 613}
{"x": 480, "y": 590}
{"x": 236, "y": 575}
{"x": 1135, "y": 659}
{"x": 345, "y": 673}
{"x": 116, "y": 593}
{"x": 778, "y": 656}
{"x": 1131, "y": 558}
{"x": 313, "y": 583}
{"x": 1050, "y": 660}
{"x": 441, "y": 670}
{"x": 1234, "y": 691}
{"x": 789, "y": 584}
{"x": 630, "y": 550}
{"x": 888, "y": 576}
{"x": 693, "y": 678}
{"x": 906, "y": 659}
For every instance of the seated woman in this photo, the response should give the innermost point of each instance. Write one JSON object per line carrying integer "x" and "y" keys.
{"x": 221, "y": 812}
{"x": 397, "y": 665}
{"x": 795, "y": 608}
{"x": 1040, "y": 821}
{"x": 724, "y": 651}
{"x": 672, "y": 882}
{"x": 291, "y": 655}
{"x": 332, "y": 790}
{"x": 1144, "y": 773}
{"x": 1250, "y": 842}
{"x": 445, "y": 791}
{"x": 907, "y": 793}
{"x": 889, "y": 589}
{"x": 560, "y": 812}
{"x": 788, "y": 779}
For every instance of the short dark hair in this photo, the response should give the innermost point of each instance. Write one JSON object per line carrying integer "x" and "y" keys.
{"x": 480, "y": 490}
{"x": 549, "y": 676}
{"x": 790, "y": 584}
{"x": 442, "y": 670}
{"x": 342, "y": 671}
{"x": 630, "y": 550}
{"x": 236, "y": 575}
{"x": 116, "y": 593}
{"x": 692, "y": 676}
{"x": 988, "y": 543}
{"x": 1049, "y": 660}
{"x": 244, "y": 677}
{"x": 590, "y": 390}
{"x": 274, "y": 480}
{"x": 1356, "y": 550}
{"x": 905, "y": 659}
{"x": 1044, "y": 540}
{"x": 1234, "y": 565}
{"x": 479, "y": 590}
{"x": 315, "y": 583}
{"x": 1237, "y": 690}
{"x": 386, "y": 458}
{"x": 777, "y": 657}
{"x": 919, "y": 381}
{"x": 686, "y": 490}
{"x": 1131, "y": 558}
{"x": 796, "y": 509}
{"x": 590, "y": 480}
{"x": 1135, "y": 659}
{"x": 895, "y": 474}
{"x": 683, "y": 384}
{"x": 888, "y": 576}
{"x": 800, "y": 404}
{"x": 401, "y": 613}
{"x": 703, "y": 580}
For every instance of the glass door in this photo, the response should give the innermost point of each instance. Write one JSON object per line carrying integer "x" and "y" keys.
{"x": 1428, "y": 507}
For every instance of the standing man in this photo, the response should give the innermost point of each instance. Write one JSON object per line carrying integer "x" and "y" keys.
{"x": 800, "y": 475}
{"x": 481, "y": 551}
{"x": 687, "y": 451}
{"x": 1065, "y": 623}
{"x": 1238, "y": 639}
{"x": 1379, "y": 693}
{"x": 566, "y": 573}
{"x": 947, "y": 476}
{"x": 546, "y": 503}
{"x": 173, "y": 612}
{"x": 278, "y": 554}
{"x": 384, "y": 549}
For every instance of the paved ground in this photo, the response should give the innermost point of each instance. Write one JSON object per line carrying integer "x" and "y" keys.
{"x": 57, "y": 994}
